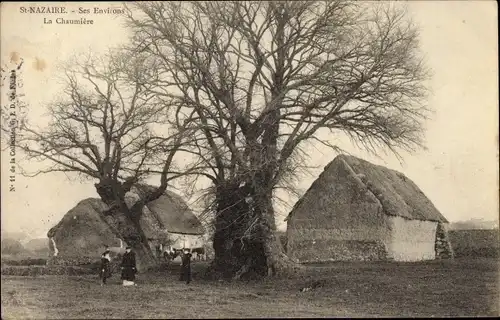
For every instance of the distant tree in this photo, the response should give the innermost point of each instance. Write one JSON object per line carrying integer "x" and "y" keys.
{"x": 20, "y": 236}
{"x": 265, "y": 77}
{"x": 12, "y": 246}
{"x": 473, "y": 224}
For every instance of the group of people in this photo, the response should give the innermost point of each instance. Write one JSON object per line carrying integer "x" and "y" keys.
{"x": 129, "y": 267}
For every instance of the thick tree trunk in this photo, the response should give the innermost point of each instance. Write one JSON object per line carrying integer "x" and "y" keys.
{"x": 126, "y": 223}
{"x": 277, "y": 262}
{"x": 144, "y": 257}
{"x": 140, "y": 245}
{"x": 245, "y": 241}
{"x": 233, "y": 246}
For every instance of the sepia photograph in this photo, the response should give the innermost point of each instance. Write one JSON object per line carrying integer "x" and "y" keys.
{"x": 249, "y": 159}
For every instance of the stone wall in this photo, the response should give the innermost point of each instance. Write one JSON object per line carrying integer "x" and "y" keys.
{"x": 181, "y": 241}
{"x": 339, "y": 250}
{"x": 315, "y": 245}
{"x": 72, "y": 261}
{"x": 443, "y": 246}
{"x": 91, "y": 264}
{"x": 33, "y": 271}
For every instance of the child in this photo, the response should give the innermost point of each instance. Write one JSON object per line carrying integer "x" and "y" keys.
{"x": 105, "y": 266}
{"x": 186, "y": 266}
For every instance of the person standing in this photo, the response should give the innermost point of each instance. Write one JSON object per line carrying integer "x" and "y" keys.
{"x": 186, "y": 266}
{"x": 129, "y": 268}
{"x": 105, "y": 270}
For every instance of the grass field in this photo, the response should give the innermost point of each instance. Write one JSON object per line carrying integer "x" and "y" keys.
{"x": 438, "y": 288}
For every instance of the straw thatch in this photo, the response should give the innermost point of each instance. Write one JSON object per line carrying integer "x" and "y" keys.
{"x": 84, "y": 230}
{"x": 398, "y": 194}
{"x": 357, "y": 210}
{"x": 173, "y": 213}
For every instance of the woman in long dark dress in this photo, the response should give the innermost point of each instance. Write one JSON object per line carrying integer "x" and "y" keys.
{"x": 129, "y": 268}
{"x": 105, "y": 270}
{"x": 186, "y": 266}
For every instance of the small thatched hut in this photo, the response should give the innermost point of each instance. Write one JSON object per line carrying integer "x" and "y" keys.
{"x": 83, "y": 232}
{"x": 356, "y": 210}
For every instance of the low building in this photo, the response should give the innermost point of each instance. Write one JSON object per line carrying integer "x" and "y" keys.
{"x": 357, "y": 210}
{"x": 83, "y": 232}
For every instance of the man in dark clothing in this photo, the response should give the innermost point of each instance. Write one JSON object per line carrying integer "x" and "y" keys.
{"x": 186, "y": 266}
{"x": 129, "y": 268}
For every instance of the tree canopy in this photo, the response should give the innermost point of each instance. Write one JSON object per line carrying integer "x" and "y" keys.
{"x": 240, "y": 87}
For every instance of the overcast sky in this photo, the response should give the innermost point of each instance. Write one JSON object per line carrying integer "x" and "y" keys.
{"x": 458, "y": 171}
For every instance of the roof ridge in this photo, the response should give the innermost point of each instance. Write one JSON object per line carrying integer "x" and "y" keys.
{"x": 400, "y": 195}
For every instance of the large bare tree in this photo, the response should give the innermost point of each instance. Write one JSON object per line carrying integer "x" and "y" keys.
{"x": 262, "y": 78}
{"x": 106, "y": 126}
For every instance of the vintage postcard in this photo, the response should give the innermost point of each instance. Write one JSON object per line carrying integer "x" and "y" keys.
{"x": 249, "y": 159}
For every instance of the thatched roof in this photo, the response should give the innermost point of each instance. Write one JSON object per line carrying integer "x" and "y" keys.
{"x": 172, "y": 213}
{"x": 398, "y": 195}
{"x": 87, "y": 214}
{"x": 167, "y": 214}
{"x": 83, "y": 231}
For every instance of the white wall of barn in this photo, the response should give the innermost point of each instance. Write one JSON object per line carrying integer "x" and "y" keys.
{"x": 181, "y": 241}
{"x": 411, "y": 240}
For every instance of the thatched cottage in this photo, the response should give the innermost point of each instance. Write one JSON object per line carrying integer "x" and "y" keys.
{"x": 357, "y": 210}
{"x": 83, "y": 232}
